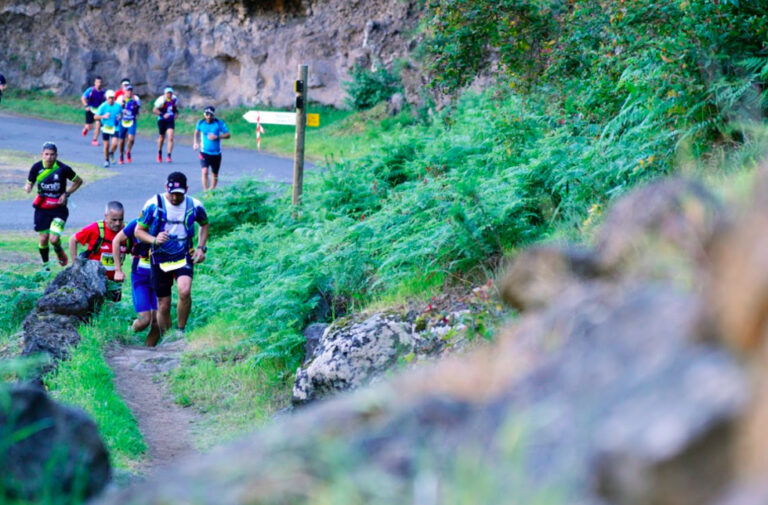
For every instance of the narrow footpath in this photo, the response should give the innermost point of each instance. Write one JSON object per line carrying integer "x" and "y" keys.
{"x": 139, "y": 379}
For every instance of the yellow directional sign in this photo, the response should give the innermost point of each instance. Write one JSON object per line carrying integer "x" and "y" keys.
{"x": 313, "y": 120}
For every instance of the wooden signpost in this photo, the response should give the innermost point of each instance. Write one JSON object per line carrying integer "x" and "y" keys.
{"x": 300, "y": 119}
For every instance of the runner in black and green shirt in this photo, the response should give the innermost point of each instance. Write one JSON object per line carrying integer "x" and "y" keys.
{"x": 50, "y": 205}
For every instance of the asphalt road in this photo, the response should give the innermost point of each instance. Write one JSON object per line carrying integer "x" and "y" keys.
{"x": 135, "y": 183}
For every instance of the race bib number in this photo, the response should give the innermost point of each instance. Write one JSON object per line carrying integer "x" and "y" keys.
{"x": 108, "y": 261}
{"x": 170, "y": 266}
{"x": 57, "y": 226}
{"x": 127, "y": 123}
{"x": 109, "y": 130}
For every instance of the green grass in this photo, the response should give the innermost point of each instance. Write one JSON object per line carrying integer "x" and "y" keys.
{"x": 14, "y": 167}
{"x": 86, "y": 381}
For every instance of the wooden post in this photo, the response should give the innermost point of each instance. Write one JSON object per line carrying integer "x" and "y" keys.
{"x": 301, "y": 125}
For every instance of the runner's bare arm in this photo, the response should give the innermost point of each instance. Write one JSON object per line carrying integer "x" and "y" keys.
{"x": 195, "y": 143}
{"x": 119, "y": 239}
{"x": 76, "y": 183}
{"x": 199, "y": 256}
{"x": 143, "y": 235}
{"x": 28, "y": 187}
{"x": 72, "y": 246}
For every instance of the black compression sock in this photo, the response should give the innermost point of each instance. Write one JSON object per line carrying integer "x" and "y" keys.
{"x": 44, "y": 253}
{"x": 57, "y": 248}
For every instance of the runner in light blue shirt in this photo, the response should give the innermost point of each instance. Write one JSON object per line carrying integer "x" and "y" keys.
{"x": 109, "y": 113}
{"x": 208, "y": 134}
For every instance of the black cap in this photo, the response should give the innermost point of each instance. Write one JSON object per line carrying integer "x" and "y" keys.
{"x": 210, "y": 109}
{"x": 177, "y": 183}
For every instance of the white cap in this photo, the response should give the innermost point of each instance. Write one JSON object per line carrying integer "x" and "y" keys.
{"x": 111, "y": 93}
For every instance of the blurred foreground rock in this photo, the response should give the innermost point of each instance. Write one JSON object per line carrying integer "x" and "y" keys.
{"x": 613, "y": 387}
{"x": 48, "y": 450}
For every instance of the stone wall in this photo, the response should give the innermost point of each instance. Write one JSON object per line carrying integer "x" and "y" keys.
{"x": 225, "y": 52}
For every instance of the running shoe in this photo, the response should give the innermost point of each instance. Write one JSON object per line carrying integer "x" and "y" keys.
{"x": 128, "y": 157}
{"x": 159, "y": 158}
{"x": 85, "y": 132}
{"x": 106, "y": 163}
{"x": 120, "y": 161}
{"x": 168, "y": 159}
{"x": 94, "y": 142}
{"x": 63, "y": 259}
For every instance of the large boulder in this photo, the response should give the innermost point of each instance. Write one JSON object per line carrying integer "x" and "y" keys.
{"x": 603, "y": 397}
{"x": 77, "y": 290}
{"x": 350, "y": 354}
{"x": 52, "y": 334}
{"x": 48, "y": 450}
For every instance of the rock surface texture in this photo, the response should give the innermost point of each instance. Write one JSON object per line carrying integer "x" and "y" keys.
{"x": 605, "y": 390}
{"x": 70, "y": 299}
{"x": 56, "y": 452}
{"x": 225, "y": 52}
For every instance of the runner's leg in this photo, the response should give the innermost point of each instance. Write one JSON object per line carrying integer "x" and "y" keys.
{"x": 184, "y": 286}
{"x": 205, "y": 178}
{"x": 43, "y": 247}
{"x": 164, "y": 312}
{"x": 169, "y": 132}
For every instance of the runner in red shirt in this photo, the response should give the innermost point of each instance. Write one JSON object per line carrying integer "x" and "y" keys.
{"x": 98, "y": 238}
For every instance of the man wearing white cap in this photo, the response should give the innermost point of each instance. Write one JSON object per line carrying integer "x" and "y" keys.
{"x": 109, "y": 113}
{"x": 166, "y": 108}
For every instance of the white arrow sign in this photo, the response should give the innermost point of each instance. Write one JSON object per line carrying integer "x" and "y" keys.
{"x": 270, "y": 117}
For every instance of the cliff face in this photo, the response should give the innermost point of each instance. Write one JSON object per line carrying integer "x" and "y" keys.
{"x": 211, "y": 51}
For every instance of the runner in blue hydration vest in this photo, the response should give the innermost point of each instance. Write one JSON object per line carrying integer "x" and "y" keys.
{"x": 127, "y": 131}
{"x": 109, "y": 114}
{"x": 91, "y": 99}
{"x": 210, "y": 130}
{"x": 168, "y": 223}
{"x": 166, "y": 108}
{"x": 144, "y": 296}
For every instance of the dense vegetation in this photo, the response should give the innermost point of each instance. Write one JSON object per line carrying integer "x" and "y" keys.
{"x": 589, "y": 99}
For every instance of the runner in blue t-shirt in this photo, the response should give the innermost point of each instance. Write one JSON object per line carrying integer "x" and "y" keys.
{"x": 109, "y": 114}
{"x": 208, "y": 134}
{"x": 91, "y": 99}
{"x": 144, "y": 297}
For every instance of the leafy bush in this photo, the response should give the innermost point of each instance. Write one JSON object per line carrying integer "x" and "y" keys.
{"x": 246, "y": 203}
{"x": 369, "y": 87}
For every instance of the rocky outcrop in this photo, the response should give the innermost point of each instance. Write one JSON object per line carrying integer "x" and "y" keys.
{"x": 604, "y": 391}
{"x": 225, "y": 52}
{"x": 70, "y": 299}
{"x": 47, "y": 449}
{"x": 350, "y": 354}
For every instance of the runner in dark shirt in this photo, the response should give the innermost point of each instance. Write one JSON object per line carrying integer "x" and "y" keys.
{"x": 91, "y": 99}
{"x": 51, "y": 211}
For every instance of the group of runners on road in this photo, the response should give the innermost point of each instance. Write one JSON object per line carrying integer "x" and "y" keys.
{"x": 161, "y": 241}
{"x": 115, "y": 114}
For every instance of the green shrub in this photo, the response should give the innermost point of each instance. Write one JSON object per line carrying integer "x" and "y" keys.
{"x": 369, "y": 87}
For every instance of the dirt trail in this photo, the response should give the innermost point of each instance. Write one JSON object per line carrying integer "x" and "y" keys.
{"x": 138, "y": 379}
